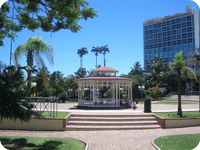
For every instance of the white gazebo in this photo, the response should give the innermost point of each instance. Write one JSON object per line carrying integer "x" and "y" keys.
{"x": 104, "y": 78}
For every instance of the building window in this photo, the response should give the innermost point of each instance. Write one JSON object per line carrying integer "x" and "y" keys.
{"x": 189, "y": 23}
{"x": 164, "y": 24}
{"x": 147, "y": 46}
{"x": 169, "y": 33}
{"x": 190, "y": 40}
{"x": 179, "y": 36}
{"x": 155, "y": 35}
{"x": 155, "y": 45}
{"x": 184, "y": 41}
{"x": 191, "y": 46}
{"x": 189, "y": 29}
{"x": 160, "y": 45}
{"x": 151, "y": 31}
{"x": 178, "y": 20}
{"x": 170, "y": 54}
{"x": 159, "y": 34}
{"x": 184, "y": 30}
{"x": 147, "y": 57}
{"x": 178, "y": 26}
{"x": 183, "y": 24}
{"x": 165, "y": 44}
{"x": 155, "y": 40}
{"x": 184, "y": 35}
{"x": 151, "y": 36}
{"x": 164, "y": 28}
{"x": 173, "y": 32}
{"x": 179, "y": 31}
{"x": 174, "y": 37}
{"x": 169, "y": 38}
{"x": 169, "y": 28}
{"x": 146, "y": 28}
{"x": 173, "y": 27}
{"x": 155, "y": 30}
{"x": 165, "y": 49}
{"x": 151, "y": 26}
{"x": 164, "y": 39}
{"x": 183, "y": 19}
{"x": 155, "y": 25}
{"x": 174, "y": 42}
{"x": 189, "y": 18}
{"x": 174, "y": 53}
{"x": 159, "y": 25}
{"x": 165, "y": 54}
{"x": 179, "y": 42}
{"x": 173, "y": 21}
{"x": 160, "y": 40}
{"x": 151, "y": 46}
{"x": 159, "y": 29}
{"x": 185, "y": 46}
{"x": 174, "y": 48}
{"x": 164, "y": 33}
{"x": 189, "y": 35}
{"x": 184, "y": 52}
{"x": 168, "y": 22}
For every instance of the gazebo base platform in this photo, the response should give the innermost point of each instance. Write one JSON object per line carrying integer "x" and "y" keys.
{"x": 101, "y": 107}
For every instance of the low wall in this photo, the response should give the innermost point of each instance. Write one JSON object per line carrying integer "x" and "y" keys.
{"x": 178, "y": 122}
{"x": 34, "y": 124}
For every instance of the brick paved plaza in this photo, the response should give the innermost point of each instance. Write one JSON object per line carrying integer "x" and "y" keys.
{"x": 113, "y": 139}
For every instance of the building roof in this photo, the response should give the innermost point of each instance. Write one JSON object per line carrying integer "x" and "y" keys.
{"x": 105, "y": 79}
{"x": 105, "y": 69}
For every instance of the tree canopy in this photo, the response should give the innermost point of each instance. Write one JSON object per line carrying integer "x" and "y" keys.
{"x": 49, "y": 15}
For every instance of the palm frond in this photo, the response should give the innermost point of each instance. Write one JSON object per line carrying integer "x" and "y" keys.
{"x": 171, "y": 66}
{"x": 190, "y": 72}
{"x": 18, "y": 53}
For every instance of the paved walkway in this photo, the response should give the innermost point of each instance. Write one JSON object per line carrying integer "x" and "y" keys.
{"x": 114, "y": 140}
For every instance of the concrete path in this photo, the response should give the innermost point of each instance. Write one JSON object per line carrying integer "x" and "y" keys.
{"x": 109, "y": 140}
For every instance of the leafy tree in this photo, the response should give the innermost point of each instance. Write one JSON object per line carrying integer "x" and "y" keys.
{"x": 42, "y": 81}
{"x": 81, "y": 73}
{"x": 178, "y": 65}
{"x": 11, "y": 81}
{"x": 104, "y": 49}
{"x": 81, "y": 52}
{"x": 34, "y": 48}
{"x": 97, "y": 51}
{"x": 136, "y": 70}
{"x": 49, "y": 15}
{"x": 56, "y": 82}
{"x": 156, "y": 69}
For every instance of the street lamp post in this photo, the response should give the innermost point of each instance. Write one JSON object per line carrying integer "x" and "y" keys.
{"x": 141, "y": 88}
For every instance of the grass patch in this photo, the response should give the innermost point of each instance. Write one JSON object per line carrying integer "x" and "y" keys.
{"x": 174, "y": 115}
{"x": 40, "y": 143}
{"x": 174, "y": 103}
{"x": 178, "y": 142}
{"x": 60, "y": 115}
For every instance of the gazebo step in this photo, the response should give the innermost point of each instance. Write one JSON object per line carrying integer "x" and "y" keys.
{"x": 101, "y": 115}
{"x": 112, "y": 118}
{"x": 120, "y": 123}
{"x": 85, "y": 128}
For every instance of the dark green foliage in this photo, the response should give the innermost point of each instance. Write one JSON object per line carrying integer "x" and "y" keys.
{"x": 63, "y": 96}
{"x": 11, "y": 82}
{"x": 49, "y": 15}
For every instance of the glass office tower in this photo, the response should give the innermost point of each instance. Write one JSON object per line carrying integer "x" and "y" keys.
{"x": 169, "y": 35}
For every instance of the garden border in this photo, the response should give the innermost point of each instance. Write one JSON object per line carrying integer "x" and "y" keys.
{"x": 177, "y": 122}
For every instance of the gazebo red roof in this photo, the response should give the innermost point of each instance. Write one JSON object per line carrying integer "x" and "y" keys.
{"x": 105, "y": 69}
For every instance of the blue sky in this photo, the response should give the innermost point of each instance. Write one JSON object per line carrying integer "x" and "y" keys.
{"x": 119, "y": 25}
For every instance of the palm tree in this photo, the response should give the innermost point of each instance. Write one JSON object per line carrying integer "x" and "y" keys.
{"x": 56, "y": 82}
{"x": 34, "y": 47}
{"x": 136, "y": 70}
{"x": 104, "y": 49}
{"x": 178, "y": 65}
{"x": 97, "y": 51}
{"x": 81, "y": 52}
{"x": 156, "y": 69}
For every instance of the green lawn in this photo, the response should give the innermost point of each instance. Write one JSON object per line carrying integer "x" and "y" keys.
{"x": 174, "y": 103}
{"x": 60, "y": 115}
{"x": 174, "y": 115}
{"x": 40, "y": 143}
{"x": 178, "y": 142}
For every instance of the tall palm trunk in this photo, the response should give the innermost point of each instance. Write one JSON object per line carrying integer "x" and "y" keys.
{"x": 96, "y": 60}
{"x": 104, "y": 59}
{"x": 179, "y": 94}
{"x": 186, "y": 81}
{"x": 30, "y": 64}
